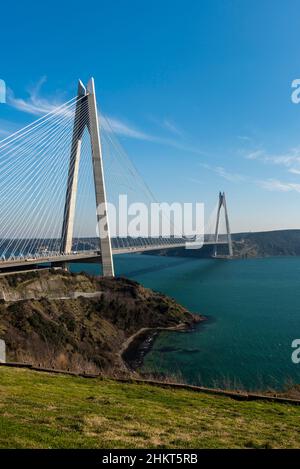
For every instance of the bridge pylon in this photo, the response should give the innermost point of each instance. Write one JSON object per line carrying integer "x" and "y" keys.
{"x": 86, "y": 116}
{"x": 222, "y": 203}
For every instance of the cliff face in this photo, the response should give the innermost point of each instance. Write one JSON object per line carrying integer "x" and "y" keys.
{"x": 53, "y": 284}
{"x": 46, "y": 319}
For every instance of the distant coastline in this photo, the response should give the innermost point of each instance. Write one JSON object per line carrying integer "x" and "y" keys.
{"x": 261, "y": 244}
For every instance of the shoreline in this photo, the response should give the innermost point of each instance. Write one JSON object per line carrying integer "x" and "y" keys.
{"x": 135, "y": 347}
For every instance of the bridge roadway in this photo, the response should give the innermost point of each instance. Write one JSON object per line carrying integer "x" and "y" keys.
{"x": 84, "y": 256}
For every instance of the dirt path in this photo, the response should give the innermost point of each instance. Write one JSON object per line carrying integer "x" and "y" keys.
{"x": 73, "y": 296}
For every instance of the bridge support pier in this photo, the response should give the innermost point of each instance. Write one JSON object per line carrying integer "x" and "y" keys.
{"x": 100, "y": 193}
{"x": 72, "y": 182}
{"x": 222, "y": 203}
{"x": 86, "y": 115}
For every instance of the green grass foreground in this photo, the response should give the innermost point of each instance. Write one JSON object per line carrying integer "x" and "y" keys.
{"x": 39, "y": 410}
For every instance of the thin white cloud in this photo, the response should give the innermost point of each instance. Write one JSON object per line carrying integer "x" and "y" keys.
{"x": 294, "y": 171}
{"x": 31, "y": 106}
{"x": 233, "y": 177}
{"x": 254, "y": 155}
{"x": 245, "y": 138}
{"x": 289, "y": 160}
{"x": 274, "y": 185}
{"x": 196, "y": 181}
{"x": 185, "y": 147}
{"x": 225, "y": 174}
{"x": 34, "y": 104}
{"x": 115, "y": 125}
{"x": 171, "y": 127}
{"x": 167, "y": 124}
{"x": 278, "y": 186}
{"x": 112, "y": 124}
{"x": 37, "y": 105}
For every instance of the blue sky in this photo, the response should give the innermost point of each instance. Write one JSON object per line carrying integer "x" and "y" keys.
{"x": 199, "y": 92}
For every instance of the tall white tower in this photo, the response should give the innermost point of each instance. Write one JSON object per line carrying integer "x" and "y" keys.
{"x": 222, "y": 203}
{"x": 86, "y": 115}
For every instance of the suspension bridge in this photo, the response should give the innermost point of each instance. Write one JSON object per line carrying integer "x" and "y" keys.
{"x": 55, "y": 173}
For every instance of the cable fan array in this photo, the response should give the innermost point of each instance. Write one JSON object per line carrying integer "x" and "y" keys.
{"x": 34, "y": 164}
{"x": 123, "y": 178}
{"x": 34, "y": 168}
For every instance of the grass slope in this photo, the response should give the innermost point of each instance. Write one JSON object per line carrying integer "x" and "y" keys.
{"x": 56, "y": 411}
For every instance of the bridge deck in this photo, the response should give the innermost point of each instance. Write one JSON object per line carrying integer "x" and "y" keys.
{"x": 86, "y": 256}
{"x": 158, "y": 247}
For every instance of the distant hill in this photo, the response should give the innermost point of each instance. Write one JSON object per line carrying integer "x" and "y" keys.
{"x": 245, "y": 245}
{"x": 267, "y": 243}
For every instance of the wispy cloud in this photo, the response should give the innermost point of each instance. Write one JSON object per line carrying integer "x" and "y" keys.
{"x": 178, "y": 145}
{"x": 112, "y": 124}
{"x": 172, "y": 127}
{"x": 119, "y": 127}
{"x": 168, "y": 125}
{"x": 255, "y": 155}
{"x": 196, "y": 181}
{"x": 233, "y": 177}
{"x": 294, "y": 171}
{"x": 274, "y": 185}
{"x": 39, "y": 105}
{"x": 278, "y": 186}
{"x": 34, "y": 104}
{"x": 225, "y": 174}
{"x": 290, "y": 159}
{"x": 244, "y": 138}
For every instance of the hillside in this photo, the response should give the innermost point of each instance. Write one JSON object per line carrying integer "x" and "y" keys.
{"x": 40, "y": 410}
{"x": 267, "y": 243}
{"x": 245, "y": 245}
{"x": 79, "y": 322}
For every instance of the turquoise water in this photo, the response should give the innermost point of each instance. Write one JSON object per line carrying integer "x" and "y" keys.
{"x": 253, "y": 308}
